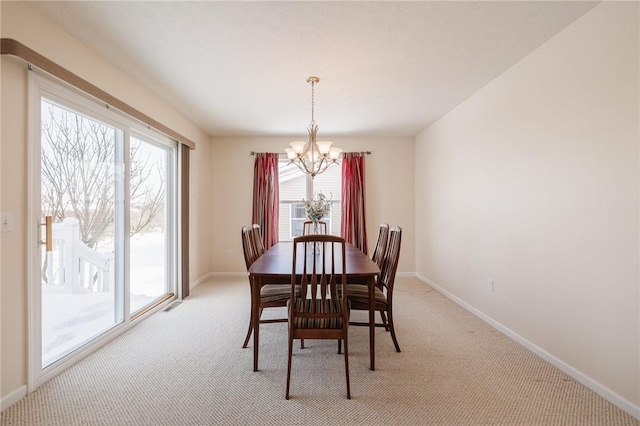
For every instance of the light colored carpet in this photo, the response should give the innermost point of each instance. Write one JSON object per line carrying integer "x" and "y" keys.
{"x": 187, "y": 367}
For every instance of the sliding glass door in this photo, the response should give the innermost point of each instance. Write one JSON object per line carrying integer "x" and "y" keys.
{"x": 82, "y": 212}
{"x": 104, "y": 205}
{"x": 151, "y": 227}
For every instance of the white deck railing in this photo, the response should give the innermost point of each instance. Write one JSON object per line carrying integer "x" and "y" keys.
{"x": 72, "y": 265}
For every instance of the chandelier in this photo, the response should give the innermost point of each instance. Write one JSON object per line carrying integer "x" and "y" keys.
{"x": 310, "y": 156}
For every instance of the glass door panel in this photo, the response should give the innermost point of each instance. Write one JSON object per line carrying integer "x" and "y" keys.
{"x": 81, "y": 184}
{"x": 150, "y": 223}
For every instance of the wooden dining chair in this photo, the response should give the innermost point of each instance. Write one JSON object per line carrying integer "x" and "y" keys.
{"x": 358, "y": 295}
{"x": 317, "y": 312}
{"x": 271, "y": 295}
{"x": 248, "y": 246}
{"x": 259, "y": 242}
{"x": 381, "y": 244}
{"x": 308, "y": 228}
{"x": 378, "y": 255}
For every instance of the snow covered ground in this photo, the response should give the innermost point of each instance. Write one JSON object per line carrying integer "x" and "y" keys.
{"x": 71, "y": 320}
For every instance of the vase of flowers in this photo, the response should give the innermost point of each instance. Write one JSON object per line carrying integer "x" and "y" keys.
{"x": 317, "y": 208}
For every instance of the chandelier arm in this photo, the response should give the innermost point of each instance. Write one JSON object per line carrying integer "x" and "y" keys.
{"x": 297, "y": 163}
{"x": 324, "y": 165}
{"x": 304, "y": 167}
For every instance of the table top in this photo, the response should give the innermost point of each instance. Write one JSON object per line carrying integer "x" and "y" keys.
{"x": 277, "y": 262}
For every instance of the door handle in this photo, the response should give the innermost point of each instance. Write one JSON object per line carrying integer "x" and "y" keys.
{"x": 48, "y": 233}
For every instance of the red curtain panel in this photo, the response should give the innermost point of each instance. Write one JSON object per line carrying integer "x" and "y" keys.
{"x": 354, "y": 225}
{"x": 266, "y": 196}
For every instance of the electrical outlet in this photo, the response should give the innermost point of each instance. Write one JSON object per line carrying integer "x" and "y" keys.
{"x": 490, "y": 285}
{"x": 6, "y": 222}
{"x": 229, "y": 253}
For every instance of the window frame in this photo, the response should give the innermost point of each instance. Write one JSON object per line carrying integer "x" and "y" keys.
{"x": 309, "y": 182}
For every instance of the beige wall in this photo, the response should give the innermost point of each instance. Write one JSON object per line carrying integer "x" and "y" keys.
{"x": 22, "y": 23}
{"x": 13, "y": 305}
{"x": 389, "y": 185}
{"x": 200, "y": 226}
{"x": 534, "y": 182}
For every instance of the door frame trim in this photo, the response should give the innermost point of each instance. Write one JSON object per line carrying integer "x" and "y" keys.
{"x": 34, "y": 305}
{"x": 13, "y": 47}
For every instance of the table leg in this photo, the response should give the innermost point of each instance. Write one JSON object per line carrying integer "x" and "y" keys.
{"x": 372, "y": 324}
{"x": 255, "y": 318}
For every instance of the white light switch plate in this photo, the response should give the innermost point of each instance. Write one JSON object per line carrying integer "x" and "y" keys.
{"x": 6, "y": 222}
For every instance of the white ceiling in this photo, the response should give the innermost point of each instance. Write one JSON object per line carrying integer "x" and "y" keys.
{"x": 385, "y": 68}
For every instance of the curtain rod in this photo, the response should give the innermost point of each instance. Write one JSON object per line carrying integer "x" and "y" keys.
{"x": 13, "y": 47}
{"x": 360, "y": 152}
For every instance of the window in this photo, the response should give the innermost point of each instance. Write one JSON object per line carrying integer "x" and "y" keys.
{"x": 298, "y": 218}
{"x": 296, "y": 186}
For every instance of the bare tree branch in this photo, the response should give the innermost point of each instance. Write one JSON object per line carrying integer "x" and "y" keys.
{"x": 78, "y": 176}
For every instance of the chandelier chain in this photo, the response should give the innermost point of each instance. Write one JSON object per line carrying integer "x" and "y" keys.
{"x": 313, "y": 120}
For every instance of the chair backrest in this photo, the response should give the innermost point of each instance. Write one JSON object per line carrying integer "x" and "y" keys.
{"x": 257, "y": 238}
{"x": 381, "y": 244}
{"x": 390, "y": 261}
{"x": 248, "y": 246}
{"x": 323, "y": 270}
{"x": 308, "y": 228}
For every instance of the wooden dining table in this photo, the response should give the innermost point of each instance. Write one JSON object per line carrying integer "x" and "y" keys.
{"x": 274, "y": 266}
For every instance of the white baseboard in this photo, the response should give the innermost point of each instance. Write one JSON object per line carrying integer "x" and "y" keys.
{"x": 228, "y": 274}
{"x": 13, "y": 397}
{"x": 200, "y": 280}
{"x": 215, "y": 274}
{"x": 598, "y": 388}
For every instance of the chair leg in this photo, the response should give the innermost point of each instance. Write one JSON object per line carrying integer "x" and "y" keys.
{"x": 340, "y": 346}
{"x": 346, "y": 366}
{"x": 289, "y": 365}
{"x": 246, "y": 340}
{"x": 384, "y": 320}
{"x": 393, "y": 331}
